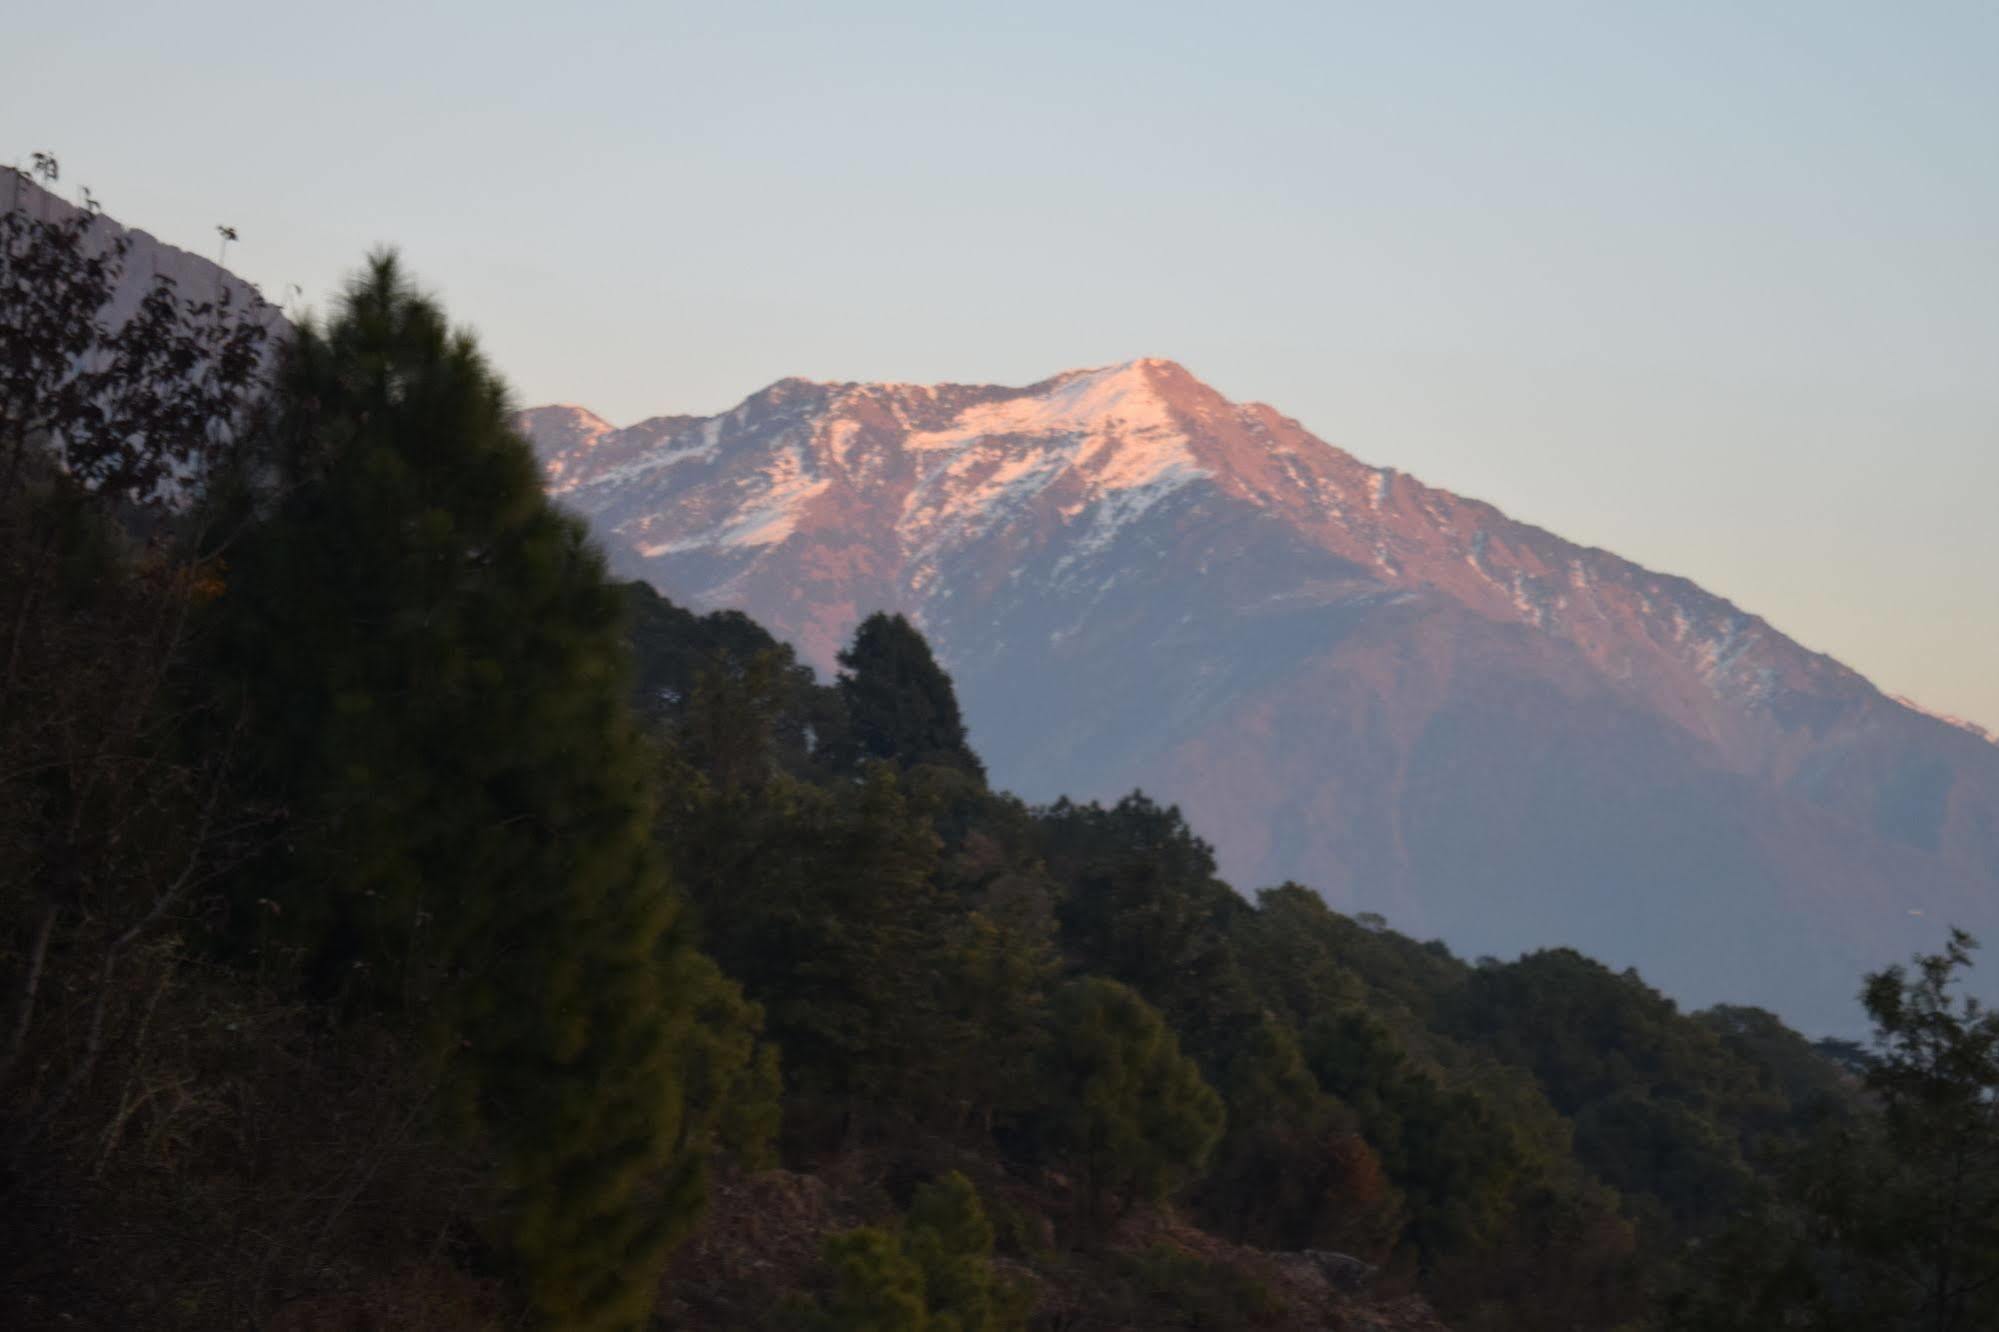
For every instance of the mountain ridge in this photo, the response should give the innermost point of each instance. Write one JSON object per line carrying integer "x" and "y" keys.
{"x": 1348, "y": 677}
{"x": 1386, "y": 482}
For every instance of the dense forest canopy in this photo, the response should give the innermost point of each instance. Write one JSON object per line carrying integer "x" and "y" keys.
{"x": 404, "y": 924}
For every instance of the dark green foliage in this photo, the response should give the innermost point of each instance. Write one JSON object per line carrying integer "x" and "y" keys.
{"x": 948, "y": 1235}
{"x": 820, "y": 901}
{"x": 998, "y": 973}
{"x": 392, "y": 820}
{"x": 433, "y": 658}
{"x": 758, "y": 710}
{"x": 1290, "y": 946}
{"x": 1123, "y": 1108}
{"x": 900, "y": 705}
{"x": 1808, "y": 1079}
{"x": 932, "y": 1274}
{"x": 1932, "y": 1207}
{"x": 1381, "y": 1096}
{"x": 1667, "y": 1152}
{"x": 1500, "y": 1220}
{"x": 1335, "y": 959}
{"x": 1849, "y": 1056}
{"x": 1455, "y": 1162}
{"x": 1887, "y": 1220}
{"x": 876, "y": 1287}
{"x": 1665, "y": 1107}
{"x": 1588, "y": 1032}
{"x": 1467, "y": 1145}
{"x": 904, "y": 975}
{"x": 1292, "y": 1170}
{"x": 728, "y": 1074}
{"x": 1141, "y": 904}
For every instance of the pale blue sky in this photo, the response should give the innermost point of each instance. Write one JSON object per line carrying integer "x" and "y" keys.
{"x": 1715, "y": 285}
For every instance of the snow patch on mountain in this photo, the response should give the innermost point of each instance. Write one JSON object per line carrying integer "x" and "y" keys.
{"x": 1109, "y": 429}
{"x": 771, "y": 515}
{"x": 1082, "y": 403}
{"x": 1120, "y": 508}
{"x": 588, "y": 427}
{"x": 706, "y": 440}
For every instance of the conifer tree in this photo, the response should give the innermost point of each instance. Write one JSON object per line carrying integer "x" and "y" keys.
{"x": 1126, "y": 1109}
{"x": 433, "y": 657}
{"x": 876, "y": 1287}
{"x": 948, "y": 1235}
{"x": 933, "y": 1273}
{"x": 1144, "y": 906}
{"x": 1291, "y": 1172}
{"x": 822, "y": 902}
{"x": 1444, "y": 1149}
{"x": 900, "y": 704}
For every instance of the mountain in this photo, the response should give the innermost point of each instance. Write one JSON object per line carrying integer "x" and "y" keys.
{"x": 148, "y": 259}
{"x": 1401, "y": 697}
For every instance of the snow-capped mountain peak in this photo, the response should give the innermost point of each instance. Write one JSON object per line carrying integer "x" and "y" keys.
{"x": 938, "y": 468}
{"x": 1399, "y": 695}
{"x": 910, "y": 488}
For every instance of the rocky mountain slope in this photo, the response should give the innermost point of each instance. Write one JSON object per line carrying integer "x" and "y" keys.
{"x": 1347, "y": 677}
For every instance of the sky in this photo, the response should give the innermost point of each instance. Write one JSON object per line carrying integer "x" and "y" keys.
{"x": 1712, "y": 285}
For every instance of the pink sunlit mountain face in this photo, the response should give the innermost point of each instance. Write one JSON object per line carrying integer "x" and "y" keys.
{"x": 1345, "y": 677}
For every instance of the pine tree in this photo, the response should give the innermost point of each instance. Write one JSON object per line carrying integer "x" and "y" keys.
{"x": 1142, "y": 904}
{"x": 1125, "y": 1109}
{"x": 1453, "y": 1159}
{"x": 434, "y": 659}
{"x": 933, "y": 1273}
{"x": 951, "y": 1240}
{"x": 876, "y": 1287}
{"x": 900, "y": 704}
{"x": 1291, "y": 1172}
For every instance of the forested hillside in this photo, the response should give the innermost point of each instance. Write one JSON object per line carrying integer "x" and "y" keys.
{"x": 406, "y": 925}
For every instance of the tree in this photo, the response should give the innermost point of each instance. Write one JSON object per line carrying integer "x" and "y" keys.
{"x": 1290, "y": 1172}
{"x": 1935, "y": 1214}
{"x": 433, "y": 656}
{"x": 111, "y": 823}
{"x": 1141, "y": 903}
{"x": 996, "y": 976}
{"x": 757, "y": 709}
{"x": 1662, "y": 1150}
{"x": 131, "y": 410}
{"x": 1808, "y": 1079}
{"x": 1125, "y": 1109}
{"x": 1890, "y": 1220}
{"x": 875, "y": 1286}
{"x": 900, "y": 703}
{"x": 933, "y": 1273}
{"x": 949, "y": 1237}
{"x": 1665, "y": 1106}
{"x": 1455, "y": 1161}
{"x": 820, "y": 901}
